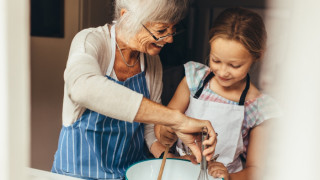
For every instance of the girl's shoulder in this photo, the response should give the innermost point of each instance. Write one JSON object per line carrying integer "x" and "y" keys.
{"x": 261, "y": 108}
{"x": 253, "y": 92}
{"x": 195, "y": 73}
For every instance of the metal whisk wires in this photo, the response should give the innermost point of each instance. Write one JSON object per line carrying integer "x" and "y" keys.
{"x": 203, "y": 164}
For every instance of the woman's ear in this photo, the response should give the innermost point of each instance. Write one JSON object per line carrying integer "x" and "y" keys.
{"x": 122, "y": 12}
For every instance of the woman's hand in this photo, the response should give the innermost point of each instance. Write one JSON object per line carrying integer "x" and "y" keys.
{"x": 188, "y": 132}
{"x": 218, "y": 170}
{"x": 186, "y": 128}
{"x": 167, "y": 136}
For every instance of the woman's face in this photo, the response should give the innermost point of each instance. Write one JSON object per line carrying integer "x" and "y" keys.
{"x": 230, "y": 61}
{"x": 145, "y": 42}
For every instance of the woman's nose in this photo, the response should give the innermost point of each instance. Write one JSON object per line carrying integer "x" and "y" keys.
{"x": 168, "y": 39}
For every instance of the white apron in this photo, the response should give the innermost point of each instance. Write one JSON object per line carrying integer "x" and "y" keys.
{"x": 226, "y": 120}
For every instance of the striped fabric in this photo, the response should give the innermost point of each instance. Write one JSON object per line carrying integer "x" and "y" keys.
{"x": 257, "y": 110}
{"x": 100, "y": 147}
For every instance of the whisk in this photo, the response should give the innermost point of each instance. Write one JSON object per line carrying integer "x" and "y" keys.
{"x": 203, "y": 164}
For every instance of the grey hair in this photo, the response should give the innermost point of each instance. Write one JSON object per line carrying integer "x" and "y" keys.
{"x": 142, "y": 11}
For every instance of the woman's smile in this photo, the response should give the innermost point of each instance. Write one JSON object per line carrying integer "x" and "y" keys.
{"x": 158, "y": 45}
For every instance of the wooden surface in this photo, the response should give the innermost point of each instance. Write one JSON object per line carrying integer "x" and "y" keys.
{"x": 163, "y": 162}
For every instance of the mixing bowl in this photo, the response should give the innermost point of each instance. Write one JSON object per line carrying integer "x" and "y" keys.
{"x": 175, "y": 169}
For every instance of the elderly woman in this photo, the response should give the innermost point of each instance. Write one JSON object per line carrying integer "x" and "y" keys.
{"x": 113, "y": 82}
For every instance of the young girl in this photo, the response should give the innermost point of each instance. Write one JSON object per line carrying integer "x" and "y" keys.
{"x": 222, "y": 93}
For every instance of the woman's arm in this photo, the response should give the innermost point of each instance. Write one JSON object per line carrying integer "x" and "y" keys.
{"x": 177, "y": 106}
{"x": 86, "y": 85}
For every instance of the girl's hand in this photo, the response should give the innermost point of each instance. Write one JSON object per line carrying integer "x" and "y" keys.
{"x": 167, "y": 136}
{"x": 218, "y": 170}
{"x": 191, "y": 158}
{"x": 189, "y": 131}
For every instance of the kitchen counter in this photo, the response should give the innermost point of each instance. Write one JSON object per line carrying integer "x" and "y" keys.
{"x": 36, "y": 174}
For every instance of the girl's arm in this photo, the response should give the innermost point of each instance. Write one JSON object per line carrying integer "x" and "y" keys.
{"x": 255, "y": 155}
{"x": 180, "y": 102}
{"x": 181, "y": 97}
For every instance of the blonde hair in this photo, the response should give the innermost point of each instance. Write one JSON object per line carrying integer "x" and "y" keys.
{"x": 139, "y": 12}
{"x": 244, "y": 26}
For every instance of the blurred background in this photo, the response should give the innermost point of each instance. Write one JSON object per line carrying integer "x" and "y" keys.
{"x": 36, "y": 38}
{"x": 53, "y": 25}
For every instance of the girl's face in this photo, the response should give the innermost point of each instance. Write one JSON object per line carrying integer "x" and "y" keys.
{"x": 145, "y": 42}
{"x": 230, "y": 61}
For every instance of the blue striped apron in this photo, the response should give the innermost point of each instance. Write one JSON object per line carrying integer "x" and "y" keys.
{"x": 98, "y": 146}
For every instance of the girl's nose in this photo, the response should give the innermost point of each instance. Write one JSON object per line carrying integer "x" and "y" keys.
{"x": 224, "y": 70}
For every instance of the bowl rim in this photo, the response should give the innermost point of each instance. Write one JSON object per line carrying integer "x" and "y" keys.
{"x": 153, "y": 159}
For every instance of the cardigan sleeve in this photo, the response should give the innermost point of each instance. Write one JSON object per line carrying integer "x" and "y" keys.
{"x": 154, "y": 77}
{"x": 86, "y": 85}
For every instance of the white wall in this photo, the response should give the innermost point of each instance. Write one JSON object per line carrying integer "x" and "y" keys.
{"x": 294, "y": 149}
{"x": 95, "y": 12}
{"x": 48, "y": 60}
{"x": 14, "y": 89}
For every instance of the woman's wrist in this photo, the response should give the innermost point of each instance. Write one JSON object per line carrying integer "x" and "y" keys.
{"x": 177, "y": 119}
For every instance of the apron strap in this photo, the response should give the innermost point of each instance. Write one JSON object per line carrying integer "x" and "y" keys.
{"x": 206, "y": 80}
{"x": 245, "y": 91}
{"x": 242, "y": 97}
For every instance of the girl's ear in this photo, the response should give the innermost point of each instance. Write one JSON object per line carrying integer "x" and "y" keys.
{"x": 122, "y": 12}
